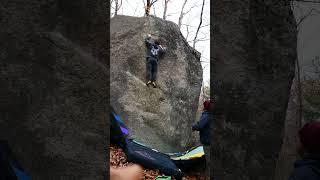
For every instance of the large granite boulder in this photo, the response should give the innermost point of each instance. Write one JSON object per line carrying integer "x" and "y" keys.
{"x": 158, "y": 117}
{"x": 54, "y": 87}
{"x": 253, "y": 67}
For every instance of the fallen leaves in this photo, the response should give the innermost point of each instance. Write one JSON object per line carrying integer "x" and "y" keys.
{"x": 119, "y": 159}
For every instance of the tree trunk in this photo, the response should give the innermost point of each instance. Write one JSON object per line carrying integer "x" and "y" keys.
{"x": 116, "y": 10}
{"x": 148, "y": 8}
{"x": 118, "y": 6}
{"x": 165, "y": 9}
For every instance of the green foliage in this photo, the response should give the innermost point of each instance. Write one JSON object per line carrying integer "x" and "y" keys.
{"x": 206, "y": 92}
{"x": 310, "y": 115}
{"x": 311, "y": 93}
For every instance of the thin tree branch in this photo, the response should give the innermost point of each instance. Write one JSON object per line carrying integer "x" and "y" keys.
{"x": 154, "y": 1}
{"x": 195, "y": 37}
{"x": 145, "y": 7}
{"x": 165, "y": 9}
{"x": 195, "y": 26}
{"x": 195, "y": 5}
{"x": 154, "y": 11}
{"x": 198, "y": 40}
{"x": 181, "y": 14}
{"x": 187, "y": 25}
{"x": 170, "y": 14}
{"x": 187, "y": 33}
{"x": 118, "y": 6}
{"x": 205, "y": 25}
{"x": 307, "y": 15}
{"x": 135, "y": 10}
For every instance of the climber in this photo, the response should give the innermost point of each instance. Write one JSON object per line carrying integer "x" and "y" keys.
{"x": 155, "y": 50}
{"x": 203, "y": 126}
{"x": 309, "y": 149}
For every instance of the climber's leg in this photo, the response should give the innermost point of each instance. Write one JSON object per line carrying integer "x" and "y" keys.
{"x": 206, "y": 150}
{"x": 149, "y": 71}
{"x": 154, "y": 70}
{"x": 154, "y": 73}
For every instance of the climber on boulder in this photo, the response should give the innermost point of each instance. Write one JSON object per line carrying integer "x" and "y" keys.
{"x": 203, "y": 126}
{"x": 155, "y": 50}
{"x": 309, "y": 149}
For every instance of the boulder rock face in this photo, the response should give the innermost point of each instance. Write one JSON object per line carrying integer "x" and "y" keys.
{"x": 54, "y": 87}
{"x": 158, "y": 117}
{"x": 253, "y": 67}
{"x": 288, "y": 153}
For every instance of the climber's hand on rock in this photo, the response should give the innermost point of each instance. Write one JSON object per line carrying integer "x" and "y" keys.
{"x": 164, "y": 48}
{"x": 149, "y": 35}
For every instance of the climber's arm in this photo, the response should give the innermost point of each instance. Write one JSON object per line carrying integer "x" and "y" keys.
{"x": 162, "y": 49}
{"x": 204, "y": 120}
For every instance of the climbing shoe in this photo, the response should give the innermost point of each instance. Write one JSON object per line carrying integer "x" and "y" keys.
{"x": 149, "y": 82}
{"x": 154, "y": 85}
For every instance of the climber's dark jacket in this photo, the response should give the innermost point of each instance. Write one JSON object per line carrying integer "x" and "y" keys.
{"x": 203, "y": 125}
{"x": 154, "y": 50}
{"x": 306, "y": 169}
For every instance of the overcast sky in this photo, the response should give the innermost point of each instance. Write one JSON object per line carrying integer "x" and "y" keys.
{"x": 308, "y": 36}
{"x": 192, "y": 19}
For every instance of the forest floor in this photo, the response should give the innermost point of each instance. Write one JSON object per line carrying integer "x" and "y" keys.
{"x": 118, "y": 159}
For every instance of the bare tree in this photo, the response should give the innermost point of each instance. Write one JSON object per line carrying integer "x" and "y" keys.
{"x": 148, "y": 7}
{"x": 118, "y": 4}
{"x": 165, "y": 9}
{"x": 111, "y": 14}
{"x": 144, "y": 3}
{"x": 182, "y": 13}
{"x": 187, "y": 33}
{"x": 299, "y": 22}
{"x": 195, "y": 37}
{"x": 154, "y": 11}
{"x": 310, "y": 13}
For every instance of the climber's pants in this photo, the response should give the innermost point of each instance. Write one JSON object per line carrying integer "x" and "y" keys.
{"x": 152, "y": 66}
{"x": 206, "y": 150}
